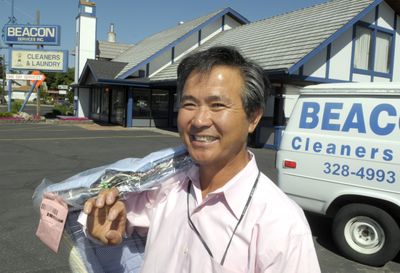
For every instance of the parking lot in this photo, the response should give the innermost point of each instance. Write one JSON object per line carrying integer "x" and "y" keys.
{"x": 31, "y": 152}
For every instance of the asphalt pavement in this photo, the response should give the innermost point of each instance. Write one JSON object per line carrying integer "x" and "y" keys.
{"x": 31, "y": 152}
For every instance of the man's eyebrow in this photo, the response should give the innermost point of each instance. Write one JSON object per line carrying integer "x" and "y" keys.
{"x": 218, "y": 98}
{"x": 189, "y": 97}
{"x": 208, "y": 99}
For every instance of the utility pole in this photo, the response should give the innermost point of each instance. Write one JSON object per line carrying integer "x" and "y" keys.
{"x": 11, "y": 20}
{"x": 3, "y": 76}
{"x": 38, "y": 88}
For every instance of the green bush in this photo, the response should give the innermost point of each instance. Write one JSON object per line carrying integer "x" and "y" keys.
{"x": 15, "y": 106}
{"x": 63, "y": 109}
{"x": 6, "y": 115}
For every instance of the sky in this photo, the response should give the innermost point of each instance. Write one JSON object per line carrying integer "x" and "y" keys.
{"x": 135, "y": 20}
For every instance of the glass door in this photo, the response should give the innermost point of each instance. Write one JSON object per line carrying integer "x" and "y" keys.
{"x": 118, "y": 106}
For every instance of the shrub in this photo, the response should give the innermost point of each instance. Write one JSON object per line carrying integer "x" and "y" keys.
{"x": 6, "y": 115}
{"x": 15, "y": 106}
{"x": 63, "y": 109}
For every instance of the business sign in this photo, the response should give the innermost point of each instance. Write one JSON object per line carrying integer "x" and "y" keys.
{"x": 25, "y": 77}
{"x": 32, "y": 34}
{"x": 62, "y": 87}
{"x": 43, "y": 60}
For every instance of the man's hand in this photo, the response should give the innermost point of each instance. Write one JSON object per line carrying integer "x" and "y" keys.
{"x": 106, "y": 217}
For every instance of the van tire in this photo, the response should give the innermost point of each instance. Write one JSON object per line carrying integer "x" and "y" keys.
{"x": 366, "y": 234}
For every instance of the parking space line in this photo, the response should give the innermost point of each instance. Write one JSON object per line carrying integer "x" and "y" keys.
{"x": 81, "y": 138}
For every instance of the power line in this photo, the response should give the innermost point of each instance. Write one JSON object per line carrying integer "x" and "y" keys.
{"x": 20, "y": 11}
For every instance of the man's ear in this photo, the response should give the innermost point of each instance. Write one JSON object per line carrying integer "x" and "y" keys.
{"x": 254, "y": 120}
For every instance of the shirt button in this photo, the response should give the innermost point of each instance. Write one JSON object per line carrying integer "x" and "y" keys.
{"x": 186, "y": 251}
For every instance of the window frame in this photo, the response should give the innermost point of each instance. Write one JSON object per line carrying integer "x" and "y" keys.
{"x": 372, "y": 71}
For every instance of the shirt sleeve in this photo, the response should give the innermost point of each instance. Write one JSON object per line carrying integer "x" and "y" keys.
{"x": 140, "y": 206}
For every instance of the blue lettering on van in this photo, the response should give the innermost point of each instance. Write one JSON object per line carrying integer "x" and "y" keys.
{"x": 362, "y": 173}
{"x": 329, "y": 115}
{"x": 356, "y": 112}
{"x": 373, "y": 121}
{"x": 346, "y": 150}
{"x": 355, "y": 119}
{"x": 309, "y": 118}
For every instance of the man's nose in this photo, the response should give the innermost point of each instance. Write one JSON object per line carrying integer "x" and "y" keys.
{"x": 202, "y": 117}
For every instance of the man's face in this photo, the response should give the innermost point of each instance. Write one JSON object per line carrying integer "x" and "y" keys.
{"x": 212, "y": 122}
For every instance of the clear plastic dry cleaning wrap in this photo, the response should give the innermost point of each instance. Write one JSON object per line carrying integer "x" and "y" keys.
{"x": 127, "y": 175}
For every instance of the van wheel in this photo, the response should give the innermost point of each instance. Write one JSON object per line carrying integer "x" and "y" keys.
{"x": 366, "y": 234}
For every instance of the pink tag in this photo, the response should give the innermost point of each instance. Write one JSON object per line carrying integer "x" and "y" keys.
{"x": 53, "y": 213}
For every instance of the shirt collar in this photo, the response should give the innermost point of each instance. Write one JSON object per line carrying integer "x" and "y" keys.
{"x": 237, "y": 190}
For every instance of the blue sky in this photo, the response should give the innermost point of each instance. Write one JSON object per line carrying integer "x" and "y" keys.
{"x": 135, "y": 20}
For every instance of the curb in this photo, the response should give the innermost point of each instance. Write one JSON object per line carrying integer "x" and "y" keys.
{"x": 44, "y": 121}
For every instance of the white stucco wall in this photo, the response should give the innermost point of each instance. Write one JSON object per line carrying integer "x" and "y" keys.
{"x": 386, "y": 16}
{"x": 83, "y": 102}
{"x": 370, "y": 17}
{"x": 230, "y": 23}
{"x": 187, "y": 45}
{"x": 340, "y": 61}
{"x": 361, "y": 78}
{"x": 211, "y": 30}
{"x": 291, "y": 95}
{"x": 86, "y": 42}
{"x": 160, "y": 62}
{"x": 379, "y": 79}
{"x": 316, "y": 67}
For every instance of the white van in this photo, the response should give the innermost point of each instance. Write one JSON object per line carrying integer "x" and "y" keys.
{"x": 340, "y": 156}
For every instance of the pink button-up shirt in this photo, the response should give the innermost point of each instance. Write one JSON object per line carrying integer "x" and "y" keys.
{"x": 273, "y": 237}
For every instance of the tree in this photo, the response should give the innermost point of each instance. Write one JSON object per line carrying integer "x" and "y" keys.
{"x": 54, "y": 79}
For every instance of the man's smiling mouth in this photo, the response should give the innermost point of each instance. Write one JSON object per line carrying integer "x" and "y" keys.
{"x": 205, "y": 139}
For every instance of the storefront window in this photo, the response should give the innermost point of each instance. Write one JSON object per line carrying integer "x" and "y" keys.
{"x": 95, "y": 101}
{"x": 104, "y": 105}
{"x": 159, "y": 104}
{"x": 141, "y": 103}
{"x": 118, "y": 106}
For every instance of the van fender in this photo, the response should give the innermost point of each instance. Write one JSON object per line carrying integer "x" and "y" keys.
{"x": 385, "y": 199}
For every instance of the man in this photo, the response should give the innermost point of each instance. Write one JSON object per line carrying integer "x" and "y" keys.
{"x": 222, "y": 215}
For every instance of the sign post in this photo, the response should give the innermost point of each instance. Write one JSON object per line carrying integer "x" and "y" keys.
{"x": 25, "y": 59}
{"x": 9, "y": 82}
{"x": 36, "y": 79}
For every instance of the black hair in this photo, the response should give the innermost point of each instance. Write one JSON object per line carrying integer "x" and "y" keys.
{"x": 255, "y": 83}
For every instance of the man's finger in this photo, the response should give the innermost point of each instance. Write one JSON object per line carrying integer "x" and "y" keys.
{"x": 111, "y": 196}
{"x": 113, "y": 237}
{"x": 88, "y": 206}
{"x": 117, "y": 210}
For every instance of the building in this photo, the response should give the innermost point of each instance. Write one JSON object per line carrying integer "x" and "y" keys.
{"x": 336, "y": 41}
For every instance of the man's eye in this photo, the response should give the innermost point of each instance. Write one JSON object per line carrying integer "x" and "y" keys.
{"x": 218, "y": 105}
{"x": 188, "y": 105}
